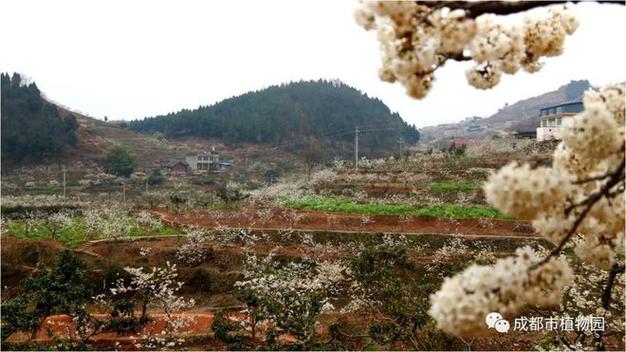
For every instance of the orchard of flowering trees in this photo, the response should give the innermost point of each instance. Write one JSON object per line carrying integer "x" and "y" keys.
{"x": 577, "y": 203}
{"x": 411, "y": 251}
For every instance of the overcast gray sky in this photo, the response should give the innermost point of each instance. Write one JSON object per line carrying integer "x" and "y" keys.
{"x": 130, "y": 59}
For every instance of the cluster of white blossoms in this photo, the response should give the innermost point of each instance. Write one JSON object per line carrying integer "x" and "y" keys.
{"x": 108, "y": 222}
{"x": 146, "y": 219}
{"x": 193, "y": 252}
{"x": 300, "y": 291}
{"x": 267, "y": 278}
{"x": 577, "y": 202}
{"x": 416, "y": 39}
{"x": 40, "y": 200}
{"x": 463, "y": 302}
{"x": 527, "y": 190}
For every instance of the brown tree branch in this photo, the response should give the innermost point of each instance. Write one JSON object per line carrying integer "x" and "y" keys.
{"x": 478, "y": 8}
{"x": 591, "y": 179}
{"x": 589, "y": 202}
{"x": 610, "y": 282}
{"x": 606, "y": 300}
{"x": 614, "y": 177}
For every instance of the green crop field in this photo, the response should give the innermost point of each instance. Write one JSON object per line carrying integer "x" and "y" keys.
{"x": 441, "y": 211}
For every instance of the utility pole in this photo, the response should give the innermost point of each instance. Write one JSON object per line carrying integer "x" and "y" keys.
{"x": 356, "y": 148}
{"x": 64, "y": 192}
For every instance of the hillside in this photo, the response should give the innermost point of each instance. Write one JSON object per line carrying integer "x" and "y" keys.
{"x": 308, "y": 121}
{"x": 519, "y": 116}
{"x": 95, "y": 137}
{"x": 525, "y": 113}
{"x": 288, "y": 114}
{"x": 38, "y": 132}
{"x": 32, "y": 128}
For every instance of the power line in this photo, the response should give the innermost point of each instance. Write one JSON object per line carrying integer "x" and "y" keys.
{"x": 334, "y": 134}
{"x": 367, "y": 128}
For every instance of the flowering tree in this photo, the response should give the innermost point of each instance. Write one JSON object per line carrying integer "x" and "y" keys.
{"x": 399, "y": 307}
{"x": 578, "y": 202}
{"x": 157, "y": 287}
{"x": 193, "y": 252}
{"x": 418, "y": 37}
{"x": 291, "y": 297}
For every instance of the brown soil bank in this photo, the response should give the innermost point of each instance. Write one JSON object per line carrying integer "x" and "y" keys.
{"x": 197, "y": 326}
{"x": 257, "y": 219}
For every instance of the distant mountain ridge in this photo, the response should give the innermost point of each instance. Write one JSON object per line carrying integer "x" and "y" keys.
{"x": 519, "y": 116}
{"x": 328, "y": 111}
{"x": 526, "y": 112}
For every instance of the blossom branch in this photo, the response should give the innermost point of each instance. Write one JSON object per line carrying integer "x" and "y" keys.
{"x": 476, "y": 9}
{"x": 616, "y": 177}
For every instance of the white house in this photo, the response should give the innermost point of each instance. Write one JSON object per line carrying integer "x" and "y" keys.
{"x": 203, "y": 161}
{"x": 552, "y": 118}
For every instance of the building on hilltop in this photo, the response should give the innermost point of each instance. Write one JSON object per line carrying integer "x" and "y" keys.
{"x": 552, "y": 118}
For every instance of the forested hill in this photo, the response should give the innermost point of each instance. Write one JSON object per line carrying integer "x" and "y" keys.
{"x": 324, "y": 110}
{"x": 32, "y": 128}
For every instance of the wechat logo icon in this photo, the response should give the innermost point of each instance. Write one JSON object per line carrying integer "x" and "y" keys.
{"x": 494, "y": 320}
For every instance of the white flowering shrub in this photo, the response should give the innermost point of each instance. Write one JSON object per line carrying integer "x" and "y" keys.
{"x": 108, "y": 222}
{"x": 148, "y": 221}
{"x": 401, "y": 320}
{"x": 145, "y": 251}
{"x": 265, "y": 215}
{"x": 418, "y": 38}
{"x": 395, "y": 242}
{"x": 577, "y": 202}
{"x": 366, "y": 220}
{"x": 40, "y": 201}
{"x": 194, "y": 250}
{"x": 280, "y": 190}
{"x": 323, "y": 177}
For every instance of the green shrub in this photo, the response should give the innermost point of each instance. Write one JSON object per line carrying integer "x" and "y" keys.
{"x": 119, "y": 162}
{"x": 155, "y": 178}
{"x": 225, "y": 329}
{"x": 62, "y": 290}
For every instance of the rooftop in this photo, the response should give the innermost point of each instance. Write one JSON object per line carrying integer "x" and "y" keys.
{"x": 573, "y": 103}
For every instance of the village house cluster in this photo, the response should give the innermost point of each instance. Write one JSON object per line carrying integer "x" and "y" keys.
{"x": 465, "y": 133}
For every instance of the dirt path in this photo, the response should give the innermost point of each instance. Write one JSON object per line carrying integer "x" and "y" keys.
{"x": 275, "y": 219}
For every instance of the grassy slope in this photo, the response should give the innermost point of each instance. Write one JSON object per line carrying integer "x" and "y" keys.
{"x": 95, "y": 137}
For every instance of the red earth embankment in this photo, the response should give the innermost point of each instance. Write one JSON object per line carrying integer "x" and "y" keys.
{"x": 290, "y": 219}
